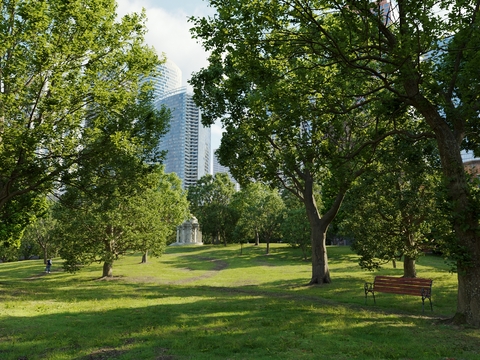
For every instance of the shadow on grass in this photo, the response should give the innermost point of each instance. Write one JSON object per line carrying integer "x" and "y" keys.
{"x": 219, "y": 323}
{"x": 201, "y": 257}
{"x": 65, "y": 316}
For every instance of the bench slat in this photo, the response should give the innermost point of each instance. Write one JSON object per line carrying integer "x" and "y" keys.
{"x": 412, "y": 281}
{"x": 396, "y": 290}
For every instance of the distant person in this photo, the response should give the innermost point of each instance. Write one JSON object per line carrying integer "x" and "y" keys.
{"x": 49, "y": 265}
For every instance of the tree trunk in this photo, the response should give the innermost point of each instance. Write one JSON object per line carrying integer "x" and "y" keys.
{"x": 409, "y": 270}
{"x": 319, "y": 226}
{"x": 107, "y": 269}
{"x": 257, "y": 238}
{"x": 320, "y": 271}
{"x": 145, "y": 257}
{"x": 464, "y": 213}
{"x": 109, "y": 253}
{"x": 268, "y": 246}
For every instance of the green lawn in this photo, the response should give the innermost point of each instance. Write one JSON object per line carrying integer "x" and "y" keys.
{"x": 215, "y": 303}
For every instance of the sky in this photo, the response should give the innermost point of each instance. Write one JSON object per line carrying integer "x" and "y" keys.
{"x": 168, "y": 33}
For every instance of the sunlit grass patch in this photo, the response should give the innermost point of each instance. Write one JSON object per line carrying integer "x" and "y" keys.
{"x": 214, "y": 302}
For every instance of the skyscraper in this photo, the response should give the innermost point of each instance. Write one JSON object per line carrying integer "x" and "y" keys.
{"x": 170, "y": 79}
{"x": 188, "y": 143}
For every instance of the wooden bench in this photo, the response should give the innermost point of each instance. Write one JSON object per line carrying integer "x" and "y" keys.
{"x": 403, "y": 286}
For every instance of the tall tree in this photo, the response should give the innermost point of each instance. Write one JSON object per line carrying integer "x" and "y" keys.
{"x": 260, "y": 212}
{"x": 65, "y": 68}
{"x": 393, "y": 211}
{"x": 424, "y": 54}
{"x": 97, "y": 198}
{"x": 287, "y": 118}
{"x": 103, "y": 227}
{"x": 210, "y": 201}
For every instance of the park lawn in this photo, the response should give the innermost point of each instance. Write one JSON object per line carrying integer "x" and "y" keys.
{"x": 214, "y": 302}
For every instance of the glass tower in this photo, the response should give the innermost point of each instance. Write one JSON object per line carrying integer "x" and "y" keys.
{"x": 188, "y": 142}
{"x": 169, "y": 79}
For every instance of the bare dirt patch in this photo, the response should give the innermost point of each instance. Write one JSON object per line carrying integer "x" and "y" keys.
{"x": 219, "y": 266}
{"x": 104, "y": 354}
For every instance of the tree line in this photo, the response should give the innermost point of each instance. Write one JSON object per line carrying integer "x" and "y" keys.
{"x": 318, "y": 92}
{"x": 358, "y": 113}
{"x": 79, "y": 134}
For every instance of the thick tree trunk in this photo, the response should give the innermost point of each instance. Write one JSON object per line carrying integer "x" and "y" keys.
{"x": 145, "y": 257}
{"x": 319, "y": 226}
{"x": 409, "y": 270}
{"x": 464, "y": 214}
{"x": 268, "y": 246}
{"x": 257, "y": 238}
{"x": 107, "y": 269}
{"x": 320, "y": 271}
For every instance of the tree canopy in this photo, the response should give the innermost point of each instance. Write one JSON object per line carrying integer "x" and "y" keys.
{"x": 69, "y": 72}
{"x": 288, "y": 116}
{"x": 99, "y": 226}
{"x": 210, "y": 202}
{"x": 421, "y": 56}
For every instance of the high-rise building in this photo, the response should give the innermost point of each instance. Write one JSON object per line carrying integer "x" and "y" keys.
{"x": 170, "y": 79}
{"x": 188, "y": 142}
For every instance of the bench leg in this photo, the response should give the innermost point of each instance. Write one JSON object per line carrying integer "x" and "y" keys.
{"x": 426, "y": 295}
{"x": 368, "y": 287}
{"x": 423, "y": 304}
{"x": 373, "y": 294}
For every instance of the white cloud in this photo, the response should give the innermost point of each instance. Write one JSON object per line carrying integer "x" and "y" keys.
{"x": 169, "y": 33}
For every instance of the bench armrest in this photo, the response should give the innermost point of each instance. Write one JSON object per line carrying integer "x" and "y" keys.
{"x": 368, "y": 287}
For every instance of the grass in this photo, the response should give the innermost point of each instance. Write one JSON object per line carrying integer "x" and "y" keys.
{"x": 214, "y": 303}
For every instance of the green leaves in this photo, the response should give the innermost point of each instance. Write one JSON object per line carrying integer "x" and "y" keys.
{"x": 139, "y": 216}
{"x": 210, "y": 201}
{"x": 70, "y": 72}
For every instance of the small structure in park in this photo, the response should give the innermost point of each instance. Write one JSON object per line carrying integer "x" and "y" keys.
{"x": 189, "y": 233}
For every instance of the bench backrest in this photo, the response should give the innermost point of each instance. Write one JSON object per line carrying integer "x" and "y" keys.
{"x": 405, "y": 286}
